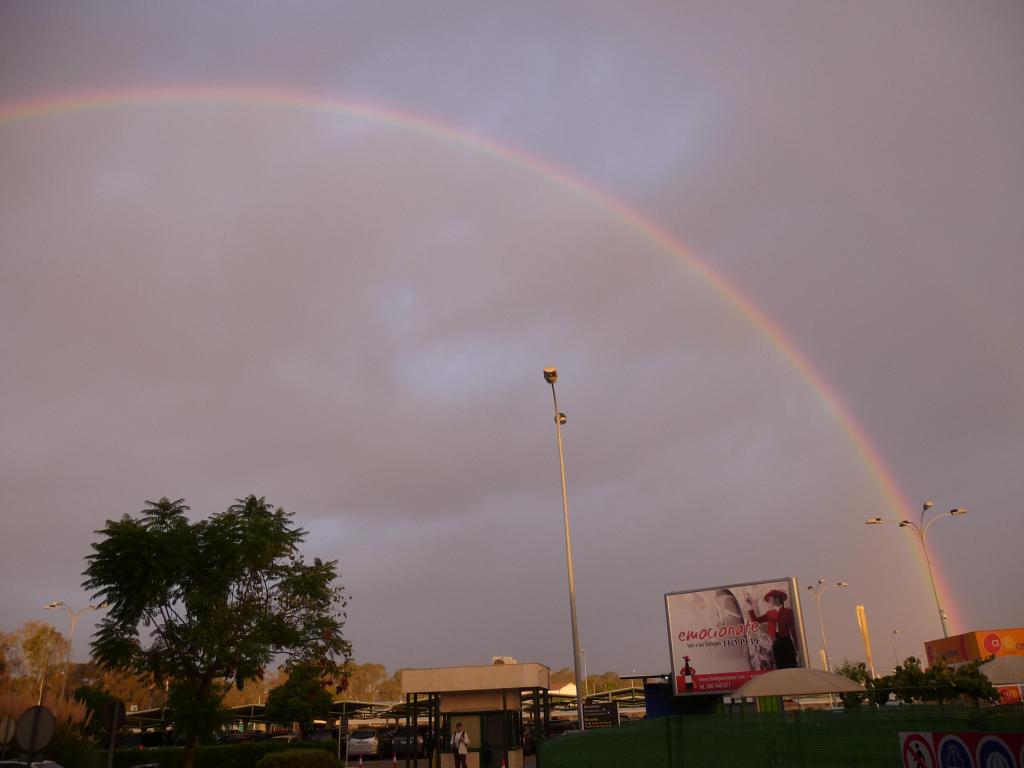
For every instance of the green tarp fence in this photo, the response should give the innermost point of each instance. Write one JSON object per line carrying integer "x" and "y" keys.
{"x": 810, "y": 739}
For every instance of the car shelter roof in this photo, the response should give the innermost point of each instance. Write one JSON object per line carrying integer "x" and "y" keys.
{"x": 487, "y": 677}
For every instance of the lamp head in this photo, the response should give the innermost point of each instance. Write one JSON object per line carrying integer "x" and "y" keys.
{"x": 927, "y": 505}
{"x": 842, "y": 584}
{"x": 874, "y": 521}
{"x": 904, "y": 523}
{"x": 550, "y": 375}
{"x": 958, "y": 511}
{"x": 561, "y": 419}
{"x": 54, "y": 604}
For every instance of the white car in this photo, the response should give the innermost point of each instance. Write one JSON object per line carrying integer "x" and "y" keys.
{"x": 363, "y": 742}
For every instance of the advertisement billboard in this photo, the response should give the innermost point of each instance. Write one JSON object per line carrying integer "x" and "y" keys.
{"x": 972, "y": 646}
{"x": 721, "y": 637}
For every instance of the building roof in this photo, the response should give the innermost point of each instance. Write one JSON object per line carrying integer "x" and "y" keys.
{"x": 488, "y": 677}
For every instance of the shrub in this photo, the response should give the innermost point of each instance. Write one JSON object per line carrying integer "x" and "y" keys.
{"x": 298, "y": 758}
{"x": 244, "y": 755}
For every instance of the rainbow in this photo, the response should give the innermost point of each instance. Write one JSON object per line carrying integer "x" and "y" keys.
{"x": 292, "y": 99}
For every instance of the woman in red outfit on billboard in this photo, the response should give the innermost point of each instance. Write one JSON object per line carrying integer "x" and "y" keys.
{"x": 781, "y": 628}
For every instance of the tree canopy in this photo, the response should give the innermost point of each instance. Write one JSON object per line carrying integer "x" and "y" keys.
{"x": 301, "y": 699}
{"x": 910, "y": 683}
{"x": 207, "y": 604}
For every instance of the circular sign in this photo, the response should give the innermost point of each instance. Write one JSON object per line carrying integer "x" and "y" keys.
{"x": 34, "y": 728}
{"x": 917, "y": 752}
{"x": 6, "y": 730}
{"x": 993, "y": 753}
{"x": 993, "y": 643}
{"x": 953, "y": 753}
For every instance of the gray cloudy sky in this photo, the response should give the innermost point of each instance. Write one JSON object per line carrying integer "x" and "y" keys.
{"x": 351, "y": 318}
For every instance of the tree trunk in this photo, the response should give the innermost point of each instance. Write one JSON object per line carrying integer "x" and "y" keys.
{"x": 188, "y": 759}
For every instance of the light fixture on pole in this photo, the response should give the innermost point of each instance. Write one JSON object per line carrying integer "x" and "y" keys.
{"x": 895, "y": 658}
{"x": 551, "y": 376}
{"x": 818, "y": 590}
{"x": 74, "y": 616}
{"x": 920, "y": 529}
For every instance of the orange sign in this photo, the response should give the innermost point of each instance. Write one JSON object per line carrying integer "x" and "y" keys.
{"x": 1009, "y": 694}
{"x": 976, "y": 645}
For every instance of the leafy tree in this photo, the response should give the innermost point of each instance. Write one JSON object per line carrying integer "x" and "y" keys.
{"x": 609, "y": 681}
{"x": 857, "y": 671}
{"x": 95, "y": 699}
{"x": 562, "y": 676}
{"x": 910, "y": 683}
{"x": 208, "y": 603}
{"x": 33, "y": 658}
{"x": 301, "y": 699}
{"x": 365, "y": 680}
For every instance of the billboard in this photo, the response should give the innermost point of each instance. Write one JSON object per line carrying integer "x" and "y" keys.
{"x": 972, "y": 646}
{"x": 721, "y": 637}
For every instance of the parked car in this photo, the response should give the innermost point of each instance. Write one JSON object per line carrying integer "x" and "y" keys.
{"x": 364, "y": 741}
{"x": 324, "y": 734}
{"x": 408, "y": 742}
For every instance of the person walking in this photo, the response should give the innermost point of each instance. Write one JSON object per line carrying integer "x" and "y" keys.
{"x": 460, "y": 746}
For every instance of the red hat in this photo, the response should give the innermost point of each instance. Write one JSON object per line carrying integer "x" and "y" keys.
{"x": 776, "y": 593}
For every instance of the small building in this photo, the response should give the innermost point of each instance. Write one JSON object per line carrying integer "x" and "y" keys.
{"x": 488, "y": 700}
{"x": 977, "y": 645}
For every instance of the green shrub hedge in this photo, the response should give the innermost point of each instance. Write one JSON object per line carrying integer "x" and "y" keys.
{"x": 298, "y": 758}
{"x": 226, "y": 756}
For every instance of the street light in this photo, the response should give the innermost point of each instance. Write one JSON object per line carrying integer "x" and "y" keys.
{"x": 895, "y": 658}
{"x": 818, "y": 590}
{"x": 551, "y": 376}
{"x": 74, "y": 616}
{"x": 920, "y": 529}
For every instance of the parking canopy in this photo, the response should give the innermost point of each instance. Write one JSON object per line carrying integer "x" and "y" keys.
{"x": 796, "y": 682}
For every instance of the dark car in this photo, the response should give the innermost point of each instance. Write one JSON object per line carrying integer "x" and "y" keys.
{"x": 384, "y": 739}
{"x": 240, "y": 737}
{"x": 324, "y": 734}
{"x": 408, "y": 742}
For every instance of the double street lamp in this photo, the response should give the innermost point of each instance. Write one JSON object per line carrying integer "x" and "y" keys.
{"x": 74, "y": 616}
{"x": 818, "y": 590}
{"x": 920, "y": 529}
{"x": 551, "y": 376}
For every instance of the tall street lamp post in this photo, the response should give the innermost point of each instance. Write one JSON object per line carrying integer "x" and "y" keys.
{"x": 818, "y": 590}
{"x": 551, "y": 376}
{"x": 895, "y": 658}
{"x": 74, "y": 616}
{"x": 920, "y": 529}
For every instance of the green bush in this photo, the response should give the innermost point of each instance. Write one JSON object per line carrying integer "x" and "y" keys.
{"x": 244, "y": 755}
{"x": 298, "y": 758}
{"x": 72, "y": 751}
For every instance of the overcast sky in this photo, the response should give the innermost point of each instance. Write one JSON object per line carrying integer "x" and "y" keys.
{"x": 351, "y": 318}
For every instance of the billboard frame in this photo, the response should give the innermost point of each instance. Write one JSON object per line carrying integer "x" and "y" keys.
{"x": 803, "y": 656}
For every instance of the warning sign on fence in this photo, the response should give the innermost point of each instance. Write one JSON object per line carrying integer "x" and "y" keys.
{"x": 962, "y": 750}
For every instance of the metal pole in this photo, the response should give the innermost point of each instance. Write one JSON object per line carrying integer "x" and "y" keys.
{"x": 568, "y": 560}
{"x": 821, "y": 625}
{"x": 931, "y": 575}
